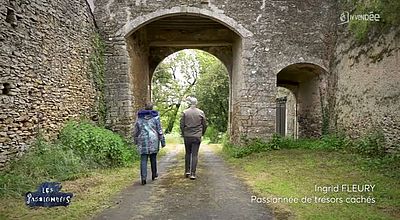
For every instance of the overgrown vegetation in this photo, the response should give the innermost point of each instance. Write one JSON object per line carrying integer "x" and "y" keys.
{"x": 371, "y": 147}
{"x": 81, "y": 147}
{"x": 97, "y": 146}
{"x": 192, "y": 73}
{"x": 387, "y": 9}
{"x": 212, "y": 92}
{"x": 277, "y": 142}
{"x": 289, "y": 168}
{"x": 293, "y": 173}
{"x": 173, "y": 80}
{"x": 213, "y": 136}
{"x": 97, "y": 65}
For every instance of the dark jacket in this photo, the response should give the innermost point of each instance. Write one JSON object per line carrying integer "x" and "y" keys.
{"x": 193, "y": 123}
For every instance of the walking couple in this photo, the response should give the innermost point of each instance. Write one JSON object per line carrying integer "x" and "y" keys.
{"x": 148, "y": 135}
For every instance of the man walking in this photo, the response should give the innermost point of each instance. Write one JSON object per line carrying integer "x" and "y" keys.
{"x": 193, "y": 126}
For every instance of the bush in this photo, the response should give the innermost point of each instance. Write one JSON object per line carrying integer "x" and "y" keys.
{"x": 390, "y": 163}
{"x": 335, "y": 142}
{"x": 81, "y": 146}
{"x": 251, "y": 146}
{"x": 97, "y": 146}
{"x": 45, "y": 162}
{"x": 213, "y": 135}
{"x": 332, "y": 142}
{"x": 372, "y": 145}
{"x": 225, "y": 138}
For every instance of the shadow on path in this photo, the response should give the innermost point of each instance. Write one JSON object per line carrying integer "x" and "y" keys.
{"x": 215, "y": 194}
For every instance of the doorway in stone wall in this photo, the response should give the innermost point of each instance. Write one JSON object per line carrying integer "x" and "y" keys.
{"x": 286, "y": 113}
{"x": 150, "y": 43}
{"x": 302, "y": 82}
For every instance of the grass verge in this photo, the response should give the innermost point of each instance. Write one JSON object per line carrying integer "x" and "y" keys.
{"x": 295, "y": 172}
{"x": 91, "y": 162}
{"x": 91, "y": 195}
{"x": 92, "y": 191}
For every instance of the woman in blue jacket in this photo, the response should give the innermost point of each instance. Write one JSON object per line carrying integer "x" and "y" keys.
{"x": 147, "y": 136}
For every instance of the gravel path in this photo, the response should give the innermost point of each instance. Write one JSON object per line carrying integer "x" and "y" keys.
{"x": 215, "y": 194}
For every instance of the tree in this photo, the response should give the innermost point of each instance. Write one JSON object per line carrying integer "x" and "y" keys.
{"x": 212, "y": 90}
{"x": 173, "y": 80}
{"x": 195, "y": 73}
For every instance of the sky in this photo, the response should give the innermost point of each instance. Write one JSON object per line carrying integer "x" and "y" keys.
{"x": 179, "y": 73}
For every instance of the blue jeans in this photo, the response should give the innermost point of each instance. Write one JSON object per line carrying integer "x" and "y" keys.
{"x": 143, "y": 165}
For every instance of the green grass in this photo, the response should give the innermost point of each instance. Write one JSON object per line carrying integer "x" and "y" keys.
{"x": 295, "y": 172}
{"x": 91, "y": 195}
{"x": 173, "y": 139}
{"x": 90, "y": 161}
{"x": 82, "y": 147}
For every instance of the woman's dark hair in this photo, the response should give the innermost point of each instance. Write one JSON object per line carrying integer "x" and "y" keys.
{"x": 148, "y": 106}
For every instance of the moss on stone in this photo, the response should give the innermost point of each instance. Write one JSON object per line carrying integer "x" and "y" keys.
{"x": 363, "y": 30}
{"x": 97, "y": 64}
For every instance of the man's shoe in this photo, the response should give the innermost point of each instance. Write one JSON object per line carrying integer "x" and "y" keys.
{"x": 154, "y": 177}
{"x": 192, "y": 177}
{"x": 143, "y": 182}
{"x": 187, "y": 175}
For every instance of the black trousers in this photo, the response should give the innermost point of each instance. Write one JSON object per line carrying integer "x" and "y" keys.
{"x": 192, "y": 145}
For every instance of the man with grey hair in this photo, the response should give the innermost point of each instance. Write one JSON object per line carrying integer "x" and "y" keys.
{"x": 193, "y": 126}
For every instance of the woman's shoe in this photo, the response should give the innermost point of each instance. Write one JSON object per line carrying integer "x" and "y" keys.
{"x": 143, "y": 182}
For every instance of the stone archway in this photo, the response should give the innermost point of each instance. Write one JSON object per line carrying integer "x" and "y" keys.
{"x": 304, "y": 81}
{"x": 132, "y": 25}
{"x": 150, "y": 38}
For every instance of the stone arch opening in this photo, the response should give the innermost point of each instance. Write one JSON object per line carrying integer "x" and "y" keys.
{"x": 173, "y": 70}
{"x": 304, "y": 81}
{"x": 152, "y": 42}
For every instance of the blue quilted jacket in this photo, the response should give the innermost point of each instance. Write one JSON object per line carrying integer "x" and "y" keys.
{"x": 148, "y": 132}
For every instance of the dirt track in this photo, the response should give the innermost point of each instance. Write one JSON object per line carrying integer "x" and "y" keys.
{"x": 215, "y": 194}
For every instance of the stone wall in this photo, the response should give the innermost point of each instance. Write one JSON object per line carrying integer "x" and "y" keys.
{"x": 368, "y": 90}
{"x": 45, "y": 76}
{"x": 271, "y": 36}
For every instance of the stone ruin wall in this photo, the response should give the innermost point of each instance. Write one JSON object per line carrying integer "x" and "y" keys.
{"x": 282, "y": 33}
{"x": 368, "y": 86}
{"x": 45, "y": 76}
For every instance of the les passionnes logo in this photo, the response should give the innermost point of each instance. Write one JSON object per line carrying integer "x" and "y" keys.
{"x": 48, "y": 195}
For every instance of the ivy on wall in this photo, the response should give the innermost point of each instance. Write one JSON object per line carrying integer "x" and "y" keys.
{"x": 97, "y": 65}
{"x": 362, "y": 30}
